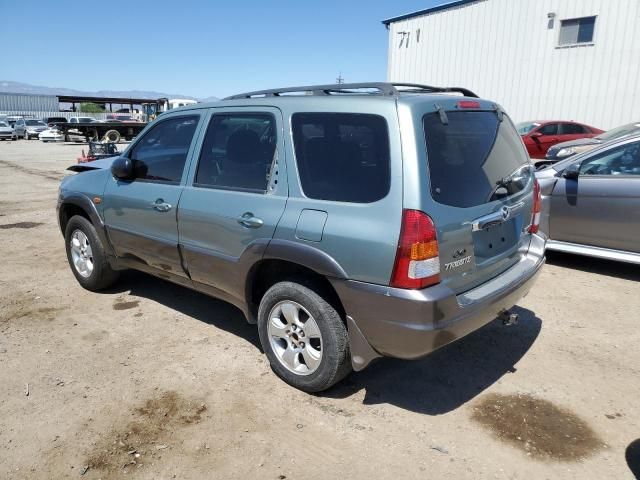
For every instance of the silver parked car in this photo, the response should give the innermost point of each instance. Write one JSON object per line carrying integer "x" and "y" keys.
{"x": 33, "y": 128}
{"x": 349, "y": 222}
{"x": 591, "y": 202}
{"x": 7, "y": 132}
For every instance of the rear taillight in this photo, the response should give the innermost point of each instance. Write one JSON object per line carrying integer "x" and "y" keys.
{"x": 417, "y": 263}
{"x": 537, "y": 208}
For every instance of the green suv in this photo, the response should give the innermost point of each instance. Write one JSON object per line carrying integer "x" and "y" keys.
{"x": 347, "y": 221}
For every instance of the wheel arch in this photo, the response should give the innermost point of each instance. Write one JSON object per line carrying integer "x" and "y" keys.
{"x": 80, "y": 204}
{"x": 287, "y": 260}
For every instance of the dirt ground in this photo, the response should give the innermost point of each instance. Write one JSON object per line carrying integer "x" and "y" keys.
{"x": 153, "y": 381}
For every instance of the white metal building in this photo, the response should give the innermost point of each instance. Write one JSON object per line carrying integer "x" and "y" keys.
{"x": 540, "y": 59}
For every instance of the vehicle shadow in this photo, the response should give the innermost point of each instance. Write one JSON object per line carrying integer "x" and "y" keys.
{"x": 632, "y": 455}
{"x": 449, "y": 377}
{"x": 609, "y": 268}
{"x": 435, "y": 385}
{"x": 196, "y": 305}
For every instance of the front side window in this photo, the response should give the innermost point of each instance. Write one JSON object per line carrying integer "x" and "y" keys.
{"x": 161, "y": 153}
{"x": 342, "y": 156}
{"x": 622, "y": 160}
{"x": 238, "y": 152}
{"x": 577, "y": 30}
{"x": 549, "y": 129}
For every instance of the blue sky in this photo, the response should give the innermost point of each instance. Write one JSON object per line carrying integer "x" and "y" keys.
{"x": 198, "y": 48}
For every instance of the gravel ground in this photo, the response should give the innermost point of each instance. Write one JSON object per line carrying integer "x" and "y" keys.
{"x": 150, "y": 380}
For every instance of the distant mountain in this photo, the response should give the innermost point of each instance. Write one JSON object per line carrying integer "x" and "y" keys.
{"x": 19, "y": 87}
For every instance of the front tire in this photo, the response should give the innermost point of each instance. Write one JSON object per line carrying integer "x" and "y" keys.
{"x": 86, "y": 255}
{"x": 303, "y": 336}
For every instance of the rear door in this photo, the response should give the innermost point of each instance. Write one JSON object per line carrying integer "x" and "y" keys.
{"x": 573, "y": 131}
{"x": 602, "y": 207}
{"x": 140, "y": 215}
{"x": 235, "y": 195}
{"x": 478, "y": 193}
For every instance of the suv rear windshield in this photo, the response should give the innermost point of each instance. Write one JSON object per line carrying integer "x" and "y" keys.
{"x": 474, "y": 158}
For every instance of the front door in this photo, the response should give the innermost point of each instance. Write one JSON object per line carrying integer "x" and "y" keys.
{"x": 140, "y": 215}
{"x": 602, "y": 207}
{"x": 235, "y": 194}
{"x": 544, "y": 138}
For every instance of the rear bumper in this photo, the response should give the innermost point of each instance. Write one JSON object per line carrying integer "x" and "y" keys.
{"x": 410, "y": 324}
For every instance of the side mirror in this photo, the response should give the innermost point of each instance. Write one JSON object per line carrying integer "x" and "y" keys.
{"x": 572, "y": 172}
{"x": 536, "y": 135}
{"x": 122, "y": 168}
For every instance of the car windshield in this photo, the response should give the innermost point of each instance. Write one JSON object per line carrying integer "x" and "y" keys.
{"x": 35, "y": 123}
{"x": 619, "y": 132}
{"x": 525, "y": 127}
{"x": 3, "y": 124}
{"x": 85, "y": 120}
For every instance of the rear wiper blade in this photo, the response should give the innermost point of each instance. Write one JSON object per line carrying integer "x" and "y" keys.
{"x": 505, "y": 182}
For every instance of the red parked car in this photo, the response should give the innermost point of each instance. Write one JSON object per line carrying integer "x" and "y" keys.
{"x": 539, "y": 136}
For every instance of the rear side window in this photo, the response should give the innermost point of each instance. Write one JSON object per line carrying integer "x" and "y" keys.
{"x": 161, "y": 153}
{"x": 238, "y": 152}
{"x": 471, "y": 156}
{"x": 572, "y": 129}
{"x": 342, "y": 156}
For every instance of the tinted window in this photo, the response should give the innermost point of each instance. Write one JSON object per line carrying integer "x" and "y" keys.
{"x": 549, "y": 129}
{"x": 470, "y": 155}
{"x": 238, "y": 151}
{"x": 342, "y": 156}
{"x": 623, "y": 160}
{"x": 573, "y": 129}
{"x": 161, "y": 153}
{"x": 578, "y": 30}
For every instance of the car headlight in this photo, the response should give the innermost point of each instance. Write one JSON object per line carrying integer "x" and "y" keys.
{"x": 565, "y": 152}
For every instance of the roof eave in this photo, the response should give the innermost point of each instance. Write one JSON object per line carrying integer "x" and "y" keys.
{"x": 437, "y": 8}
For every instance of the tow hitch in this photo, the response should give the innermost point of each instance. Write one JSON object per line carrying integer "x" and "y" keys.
{"x": 508, "y": 318}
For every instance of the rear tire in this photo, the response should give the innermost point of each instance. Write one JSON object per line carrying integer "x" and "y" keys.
{"x": 87, "y": 256}
{"x": 303, "y": 336}
{"x": 112, "y": 136}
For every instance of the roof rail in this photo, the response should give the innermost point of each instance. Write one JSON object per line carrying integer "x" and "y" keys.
{"x": 380, "y": 88}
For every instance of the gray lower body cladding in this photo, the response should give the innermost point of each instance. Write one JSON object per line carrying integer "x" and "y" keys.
{"x": 410, "y": 324}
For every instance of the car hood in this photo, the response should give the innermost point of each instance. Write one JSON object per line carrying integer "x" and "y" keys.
{"x": 6, "y": 129}
{"x": 101, "y": 164}
{"x": 575, "y": 143}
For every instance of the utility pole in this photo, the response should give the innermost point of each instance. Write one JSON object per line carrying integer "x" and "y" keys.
{"x": 339, "y": 80}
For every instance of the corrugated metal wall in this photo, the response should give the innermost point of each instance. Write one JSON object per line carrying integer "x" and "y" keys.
{"x": 16, "y": 102}
{"x": 507, "y": 51}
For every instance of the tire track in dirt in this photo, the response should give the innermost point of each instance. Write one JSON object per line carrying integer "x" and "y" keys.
{"x": 48, "y": 174}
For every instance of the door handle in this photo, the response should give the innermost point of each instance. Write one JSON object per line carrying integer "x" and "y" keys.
{"x": 248, "y": 220}
{"x": 161, "y": 206}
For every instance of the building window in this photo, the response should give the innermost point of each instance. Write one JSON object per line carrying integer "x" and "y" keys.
{"x": 577, "y": 30}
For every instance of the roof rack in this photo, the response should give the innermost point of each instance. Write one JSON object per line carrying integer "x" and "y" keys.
{"x": 369, "y": 88}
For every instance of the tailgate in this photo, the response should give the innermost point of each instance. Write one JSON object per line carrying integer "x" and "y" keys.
{"x": 480, "y": 184}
